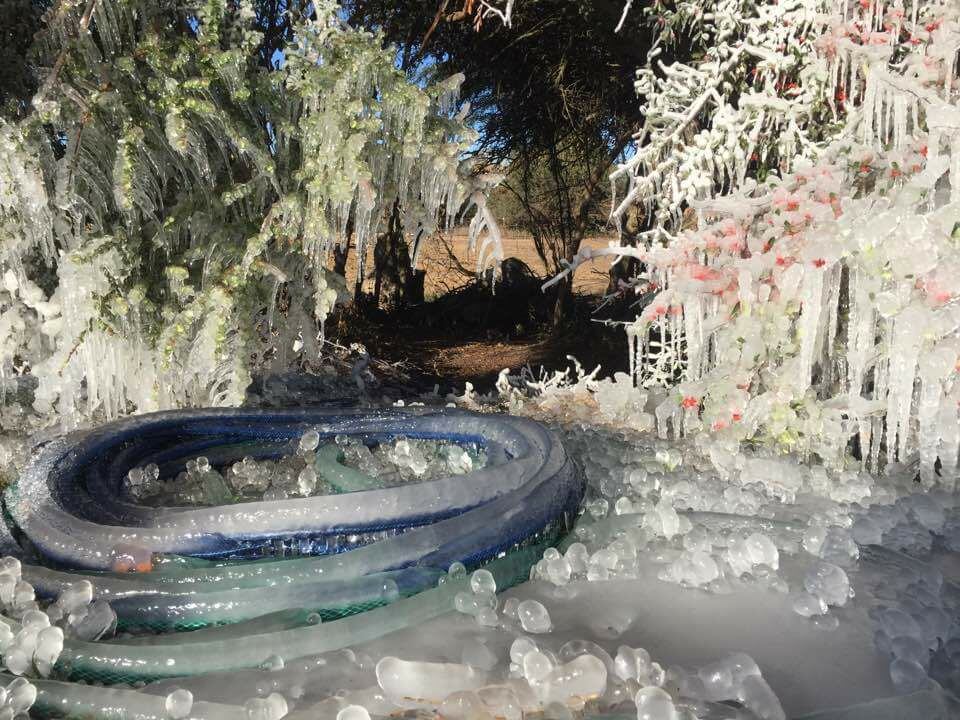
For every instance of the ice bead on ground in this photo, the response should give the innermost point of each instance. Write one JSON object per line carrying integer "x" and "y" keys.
{"x": 401, "y": 679}
{"x": 534, "y": 617}
{"x": 353, "y": 712}
{"x": 809, "y": 605}
{"x": 828, "y": 582}
{"x": 178, "y": 704}
{"x": 584, "y": 677}
{"x": 272, "y": 707}
{"x": 654, "y": 703}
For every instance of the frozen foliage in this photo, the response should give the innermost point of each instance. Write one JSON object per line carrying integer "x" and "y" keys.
{"x": 776, "y": 79}
{"x": 500, "y": 9}
{"x": 194, "y": 198}
{"x": 813, "y": 306}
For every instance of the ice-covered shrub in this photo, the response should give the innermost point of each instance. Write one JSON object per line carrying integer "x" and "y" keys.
{"x": 813, "y": 307}
{"x": 170, "y": 197}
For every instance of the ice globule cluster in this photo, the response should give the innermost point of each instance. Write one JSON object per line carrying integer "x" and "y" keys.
{"x": 33, "y": 632}
{"x": 578, "y": 677}
{"x": 409, "y": 459}
{"x": 17, "y": 697}
{"x": 248, "y": 480}
{"x": 312, "y": 469}
{"x": 713, "y": 514}
{"x": 822, "y": 537}
{"x": 481, "y": 600}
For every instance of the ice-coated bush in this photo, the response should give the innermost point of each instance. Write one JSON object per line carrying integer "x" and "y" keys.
{"x": 813, "y": 307}
{"x": 169, "y": 197}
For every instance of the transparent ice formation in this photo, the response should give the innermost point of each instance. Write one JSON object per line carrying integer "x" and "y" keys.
{"x": 296, "y": 606}
{"x": 649, "y": 518}
{"x": 344, "y": 464}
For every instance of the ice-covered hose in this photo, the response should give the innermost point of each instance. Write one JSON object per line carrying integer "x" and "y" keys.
{"x": 273, "y": 567}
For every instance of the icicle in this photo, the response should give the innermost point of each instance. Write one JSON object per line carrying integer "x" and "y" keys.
{"x": 860, "y": 331}
{"x": 693, "y": 334}
{"x": 949, "y": 425}
{"x": 927, "y": 414}
{"x": 825, "y": 350}
{"x": 904, "y": 354}
{"x": 955, "y": 166}
{"x": 811, "y": 297}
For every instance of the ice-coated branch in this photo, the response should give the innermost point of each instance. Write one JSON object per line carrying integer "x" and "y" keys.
{"x": 587, "y": 254}
{"x": 623, "y": 15}
{"x": 495, "y": 8}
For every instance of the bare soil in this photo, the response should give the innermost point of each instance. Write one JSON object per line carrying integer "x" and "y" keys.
{"x": 450, "y": 264}
{"x": 463, "y": 333}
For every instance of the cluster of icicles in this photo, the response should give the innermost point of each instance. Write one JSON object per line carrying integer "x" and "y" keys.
{"x": 818, "y": 307}
{"x": 305, "y": 575}
{"x": 803, "y": 318}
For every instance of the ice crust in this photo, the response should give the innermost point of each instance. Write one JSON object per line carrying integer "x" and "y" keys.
{"x": 651, "y": 518}
{"x": 664, "y": 531}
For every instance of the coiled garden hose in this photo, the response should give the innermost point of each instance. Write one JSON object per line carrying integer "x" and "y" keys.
{"x": 285, "y": 578}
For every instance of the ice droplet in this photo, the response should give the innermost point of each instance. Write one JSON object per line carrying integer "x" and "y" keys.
{"x": 534, "y": 617}
{"x": 178, "y": 703}
{"x": 654, "y": 703}
{"x": 353, "y": 712}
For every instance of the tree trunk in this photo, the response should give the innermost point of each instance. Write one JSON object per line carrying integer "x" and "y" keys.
{"x": 394, "y": 283}
{"x": 340, "y": 255}
{"x": 415, "y": 290}
{"x": 635, "y": 223}
{"x": 563, "y": 302}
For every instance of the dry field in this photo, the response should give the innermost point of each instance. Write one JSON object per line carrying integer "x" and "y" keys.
{"x": 446, "y": 273}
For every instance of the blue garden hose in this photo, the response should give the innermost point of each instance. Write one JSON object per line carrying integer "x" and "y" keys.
{"x": 285, "y": 560}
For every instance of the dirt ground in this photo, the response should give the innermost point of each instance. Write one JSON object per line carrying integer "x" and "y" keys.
{"x": 479, "y": 362}
{"x": 406, "y": 353}
{"x": 445, "y": 273}
{"x": 463, "y": 333}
